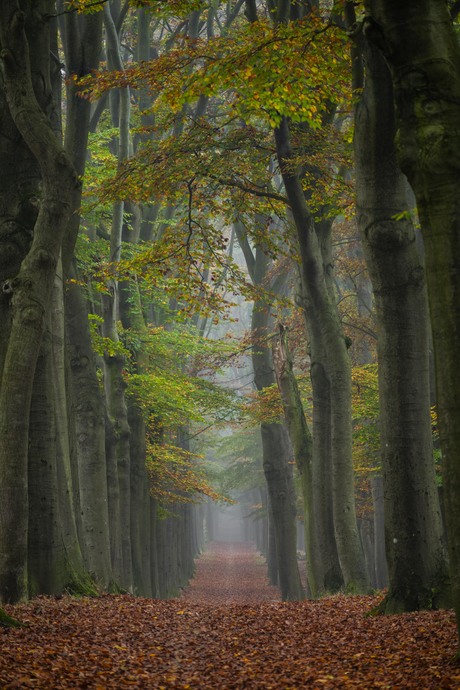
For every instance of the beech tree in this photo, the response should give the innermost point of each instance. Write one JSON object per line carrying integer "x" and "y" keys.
{"x": 276, "y": 451}
{"x": 422, "y": 51}
{"x": 56, "y": 532}
{"x": 98, "y": 357}
{"x": 414, "y": 533}
{"x": 329, "y": 345}
{"x": 38, "y": 217}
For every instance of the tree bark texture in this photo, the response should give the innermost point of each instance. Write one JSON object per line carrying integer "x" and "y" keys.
{"x": 321, "y": 314}
{"x": 422, "y": 50}
{"x": 413, "y": 530}
{"x": 276, "y": 450}
{"x": 380, "y": 559}
{"x": 28, "y": 292}
{"x": 302, "y": 445}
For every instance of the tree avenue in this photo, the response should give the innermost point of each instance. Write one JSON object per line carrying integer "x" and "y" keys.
{"x": 208, "y": 247}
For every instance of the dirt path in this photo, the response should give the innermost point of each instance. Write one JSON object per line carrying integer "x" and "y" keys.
{"x": 227, "y": 631}
{"x": 230, "y": 572}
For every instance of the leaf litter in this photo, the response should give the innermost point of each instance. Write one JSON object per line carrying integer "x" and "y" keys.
{"x": 227, "y": 630}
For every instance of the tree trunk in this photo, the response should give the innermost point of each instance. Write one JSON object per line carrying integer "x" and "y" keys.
{"x": 46, "y": 551}
{"x": 329, "y": 576}
{"x": 276, "y": 451}
{"x": 81, "y": 38}
{"x": 29, "y": 294}
{"x": 301, "y": 441}
{"x": 118, "y": 432}
{"x": 380, "y": 560}
{"x": 413, "y": 529}
{"x": 140, "y": 504}
{"x": 277, "y": 471}
{"x": 321, "y": 313}
{"x": 421, "y": 47}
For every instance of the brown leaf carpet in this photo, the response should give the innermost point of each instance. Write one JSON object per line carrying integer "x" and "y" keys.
{"x": 228, "y": 630}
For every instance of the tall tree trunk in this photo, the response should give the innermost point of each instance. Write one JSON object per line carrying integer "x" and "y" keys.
{"x": 302, "y": 445}
{"x": 67, "y": 484}
{"x": 88, "y": 427}
{"x": 321, "y": 313}
{"x": 275, "y": 439}
{"x": 130, "y": 308}
{"x": 55, "y": 560}
{"x": 380, "y": 560}
{"x": 276, "y": 456}
{"x": 46, "y": 552}
{"x": 119, "y": 431}
{"x": 422, "y": 50}
{"x": 29, "y": 294}
{"x": 82, "y": 38}
{"x": 413, "y": 530}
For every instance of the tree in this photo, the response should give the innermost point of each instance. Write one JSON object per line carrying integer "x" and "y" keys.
{"x": 27, "y": 286}
{"x": 207, "y": 68}
{"x": 329, "y": 345}
{"x": 54, "y": 529}
{"x": 421, "y": 48}
{"x": 276, "y": 449}
{"x": 414, "y": 533}
{"x": 81, "y": 37}
{"x": 302, "y": 445}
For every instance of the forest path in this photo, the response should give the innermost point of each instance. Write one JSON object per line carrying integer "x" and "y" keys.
{"x": 230, "y": 572}
{"x": 225, "y": 633}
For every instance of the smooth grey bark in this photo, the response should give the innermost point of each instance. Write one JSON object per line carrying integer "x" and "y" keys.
{"x": 418, "y": 576}
{"x": 380, "y": 559}
{"x": 276, "y": 453}
{"x": 302, "y": 444}
{"x": 140, "y": 505}
{"x": 81, "y": 39}
{"x": 326, "y": 563}
{"x": 328, "y": 571}
{"x": 118, "y": 431}
{"x": 366, "y": 534}
{"x": 275, "y": 439}
{"x": 64, "y": 439}
{"x": 131, "y": 314}
{"x": 421, "y": 47}
{"x": 154, "y": 576}
{"x": 29, "y": 294}
{"x": 321, "y": 313}
{"x": 46, "y": 557}
{"x": 55, "y": 562}
{"x": 87, "y": 415}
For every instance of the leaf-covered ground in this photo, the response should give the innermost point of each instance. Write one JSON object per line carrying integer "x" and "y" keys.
{"x": 228, "y": 630}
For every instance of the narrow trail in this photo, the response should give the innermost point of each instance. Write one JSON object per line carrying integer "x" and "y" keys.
{"x": 230, "y": 573}
{"x": 227, "y": 631}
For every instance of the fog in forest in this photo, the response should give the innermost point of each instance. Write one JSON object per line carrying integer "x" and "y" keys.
{"x": 230, "y": 524}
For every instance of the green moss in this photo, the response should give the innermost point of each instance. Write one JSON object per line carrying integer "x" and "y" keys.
{"x": 81, "y": 585}
{"x": 115, "y": 588}
{"x": 405, "y": 600}
{"x": 7, "y": 621}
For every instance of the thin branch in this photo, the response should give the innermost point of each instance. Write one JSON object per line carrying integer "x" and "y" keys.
{"x": 72, "y": 10}
{"x": 251, "y": 190}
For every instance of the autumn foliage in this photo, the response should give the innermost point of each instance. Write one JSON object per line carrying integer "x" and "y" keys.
{"x": 228, "y": 630}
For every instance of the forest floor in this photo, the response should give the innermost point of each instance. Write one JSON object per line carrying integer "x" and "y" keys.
{"x": 227, "y": 630}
